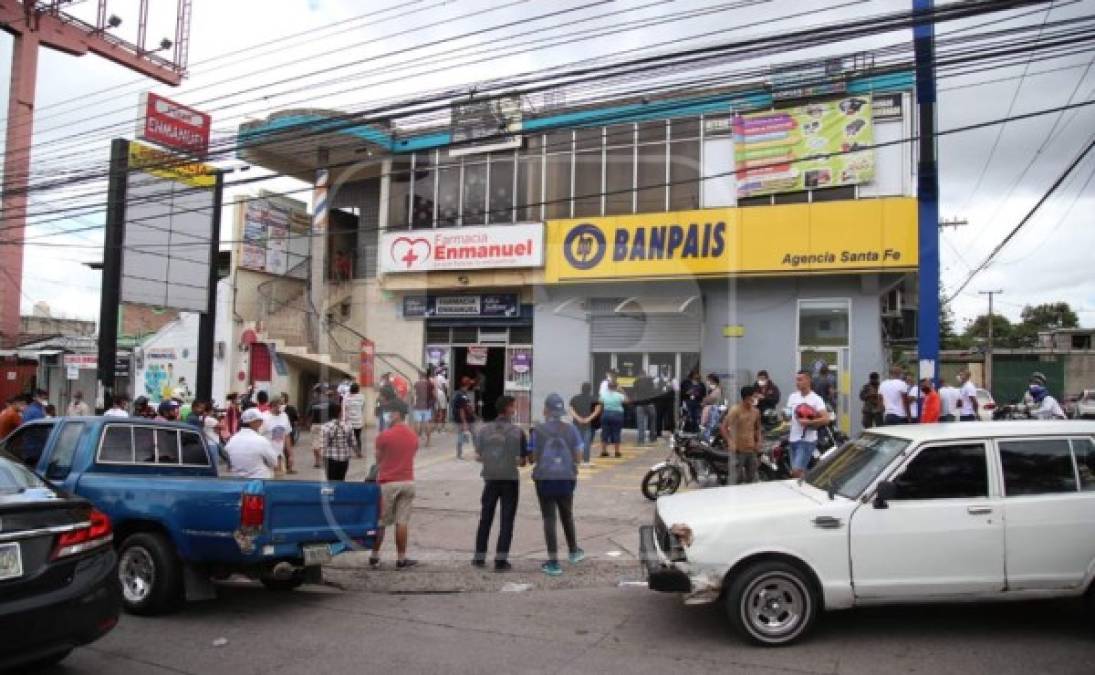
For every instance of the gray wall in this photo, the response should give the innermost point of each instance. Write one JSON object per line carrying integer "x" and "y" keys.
{"x": 768, "y": 310}
{"x": 766, "y": 307}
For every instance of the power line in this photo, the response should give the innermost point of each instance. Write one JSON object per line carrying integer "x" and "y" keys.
{"x": 805, "y": 39}
{"x": 568, "y": 198}
{"x": 355, "y": 118}
{"x": 1015, "y": 230}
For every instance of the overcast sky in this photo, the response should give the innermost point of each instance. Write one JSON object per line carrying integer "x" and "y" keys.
{"x": 1050, "y": 260}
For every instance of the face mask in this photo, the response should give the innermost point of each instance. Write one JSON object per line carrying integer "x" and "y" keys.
{"x": 762, "y": 382}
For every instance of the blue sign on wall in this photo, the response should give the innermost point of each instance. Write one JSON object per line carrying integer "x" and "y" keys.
{"x": 497, "y": 305}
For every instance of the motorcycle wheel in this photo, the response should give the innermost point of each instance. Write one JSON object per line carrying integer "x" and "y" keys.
{"x": 764, "y": 473}
{"x": 659, "y": 482}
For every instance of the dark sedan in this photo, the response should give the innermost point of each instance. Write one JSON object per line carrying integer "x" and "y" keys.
{"x": 58, "y": 585}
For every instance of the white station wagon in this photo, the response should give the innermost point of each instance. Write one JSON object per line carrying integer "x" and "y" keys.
{"x": 956, "y": 512}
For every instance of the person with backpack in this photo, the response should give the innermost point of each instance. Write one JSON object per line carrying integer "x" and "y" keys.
{"x": 555, "y": 450}
{"x": 463, "y": 414}
{"x": 502, "y": 447}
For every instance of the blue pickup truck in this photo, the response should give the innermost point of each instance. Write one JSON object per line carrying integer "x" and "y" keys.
{"x": 178, "y": 525}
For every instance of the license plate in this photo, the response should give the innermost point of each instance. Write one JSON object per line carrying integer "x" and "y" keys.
{"x": 11, "y": 561}
{"x": 316, "y": 554}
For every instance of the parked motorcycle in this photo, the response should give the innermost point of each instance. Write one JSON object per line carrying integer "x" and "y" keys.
{"x": 692, "y": 459}
{"x": 775, "y": 462}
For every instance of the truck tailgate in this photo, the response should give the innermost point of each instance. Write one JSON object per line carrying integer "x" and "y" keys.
{"x": 302, "y": 512}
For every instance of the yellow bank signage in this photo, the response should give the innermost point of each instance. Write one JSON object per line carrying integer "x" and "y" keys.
{"x": 868, "y": 235}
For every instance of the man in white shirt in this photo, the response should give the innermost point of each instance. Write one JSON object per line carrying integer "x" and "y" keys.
{"x": 968, "y": 390}
{"x": 913, "y": 396}
{"x": 277, "y": 429}
{"x": 117, "y": 407}
{"x": 353, "y": 413}
{"x": 948, "y": 399}
{"x": 895, "y": 397}
{"x": 249, "y": 454}
{"x": 808, "y": 414}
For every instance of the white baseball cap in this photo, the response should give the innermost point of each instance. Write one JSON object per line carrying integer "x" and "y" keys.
{"x": 251, "y": 415}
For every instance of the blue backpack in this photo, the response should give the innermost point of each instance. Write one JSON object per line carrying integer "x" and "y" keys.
{"x": 556, "y": 443}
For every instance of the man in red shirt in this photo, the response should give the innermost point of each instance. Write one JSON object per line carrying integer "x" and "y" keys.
{"x": 12, "y": 416}
{"x": 932, "y": 404}
{"x": 396, "y": 447}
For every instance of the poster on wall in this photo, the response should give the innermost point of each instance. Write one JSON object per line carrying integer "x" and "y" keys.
{"x": 804, "y": 147}
{"x": 275, "y": 235}
{"x": 477, "y": 356}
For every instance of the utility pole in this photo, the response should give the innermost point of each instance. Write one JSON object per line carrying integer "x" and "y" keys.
{"x": 988, "y": 344}
{"x": 927, "y": 193}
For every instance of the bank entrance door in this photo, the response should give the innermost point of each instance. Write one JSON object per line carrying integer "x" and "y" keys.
{"x": 824, "y": 340}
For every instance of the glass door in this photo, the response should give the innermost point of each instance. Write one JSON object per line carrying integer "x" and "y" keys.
{"x": 824, "y": 351}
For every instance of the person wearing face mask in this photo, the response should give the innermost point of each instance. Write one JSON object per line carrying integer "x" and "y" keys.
{"x": 766, "y": 391}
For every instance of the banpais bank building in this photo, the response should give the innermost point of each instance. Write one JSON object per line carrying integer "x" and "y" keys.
{"x": 534, "y": 248}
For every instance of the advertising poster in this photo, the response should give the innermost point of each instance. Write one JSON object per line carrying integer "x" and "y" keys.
{"x": 477, "y": 356}
{"x": 805, "y": 147}
{"x": 274, "y": 235}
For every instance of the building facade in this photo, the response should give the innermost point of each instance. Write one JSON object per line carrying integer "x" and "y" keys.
{"x": 727, "y": 231}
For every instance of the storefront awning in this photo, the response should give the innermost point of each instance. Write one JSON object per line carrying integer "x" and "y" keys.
{"x": 647, "y": 305}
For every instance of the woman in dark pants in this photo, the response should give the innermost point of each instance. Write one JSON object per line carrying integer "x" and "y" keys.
{"x": 555, "y": 454}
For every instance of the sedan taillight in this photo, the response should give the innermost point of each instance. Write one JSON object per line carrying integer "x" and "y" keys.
{"x": 97, "y": 533}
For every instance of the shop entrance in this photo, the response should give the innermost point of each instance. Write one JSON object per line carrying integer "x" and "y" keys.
{"x": 486, "y": 366}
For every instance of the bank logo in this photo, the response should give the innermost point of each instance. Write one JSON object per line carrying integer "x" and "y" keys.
{"x": 410, "y": 253}
{"x": 584, "y": 246}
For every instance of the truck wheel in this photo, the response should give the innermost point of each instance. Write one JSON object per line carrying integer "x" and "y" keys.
{"x": 663, "y": 481}
{"x": 272, "y": 584}
{"x": 150, "y": 573}
{"x": 771, "y": 603}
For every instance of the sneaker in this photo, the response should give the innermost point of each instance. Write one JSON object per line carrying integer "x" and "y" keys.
{"x": 576, "y": 556}
{"x": 478, "y": 563}
{"x": 374, "y": 562}
{"x": 502, "y": 566}
{"x": 405, "y": 563}
{"x": 587, "y": 464}
{"x": 551, "y": 569}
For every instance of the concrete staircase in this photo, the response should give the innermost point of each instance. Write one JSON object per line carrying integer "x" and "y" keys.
{"x": 288, "y": 326}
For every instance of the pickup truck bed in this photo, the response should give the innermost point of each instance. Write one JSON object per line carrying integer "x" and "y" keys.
{"x": 177, "y": 523}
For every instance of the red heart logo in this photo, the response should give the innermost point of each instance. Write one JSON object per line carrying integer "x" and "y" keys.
{"x": 410, "y": 252}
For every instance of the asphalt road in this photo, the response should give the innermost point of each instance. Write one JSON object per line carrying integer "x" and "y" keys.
{"x": 445, "y": 616}
{"x": 605, "y": 629}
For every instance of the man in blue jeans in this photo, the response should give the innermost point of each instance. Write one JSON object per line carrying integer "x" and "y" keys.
{"x": 808, "y": 414}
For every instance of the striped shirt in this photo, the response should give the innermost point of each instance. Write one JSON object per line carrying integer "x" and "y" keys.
{"x": 338, "y": 440}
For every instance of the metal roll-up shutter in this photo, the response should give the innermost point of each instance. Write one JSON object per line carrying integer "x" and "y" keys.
{"x": 637, "y": 331}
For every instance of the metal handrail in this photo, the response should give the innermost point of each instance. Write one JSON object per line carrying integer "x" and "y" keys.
{"x": 381, "y": 356}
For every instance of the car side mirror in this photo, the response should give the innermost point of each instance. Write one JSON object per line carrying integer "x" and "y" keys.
{"x": 884, "y": 493}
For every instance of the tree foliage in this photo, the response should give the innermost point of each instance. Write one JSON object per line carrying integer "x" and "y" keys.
{"x": 1044, "y": 317}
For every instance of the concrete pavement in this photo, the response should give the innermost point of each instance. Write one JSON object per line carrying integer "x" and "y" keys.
{"x": 609, "y": 507}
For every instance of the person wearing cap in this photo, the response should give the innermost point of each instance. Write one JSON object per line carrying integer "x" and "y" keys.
{"x": 118, "y": 407}
{"x": 249, "y": 454}
{"x": 556, "y": 448}
{"x": 78, "y": 407}
{"x": 396, "y": 447}
{"x": 168, "y": 410}
{"x": 37, "y": 408}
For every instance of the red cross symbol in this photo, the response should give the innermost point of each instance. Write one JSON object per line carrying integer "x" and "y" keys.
{"x": 409, "y": 258}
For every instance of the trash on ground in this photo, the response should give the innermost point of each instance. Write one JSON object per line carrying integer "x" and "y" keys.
{"x": 512, "y": 587}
